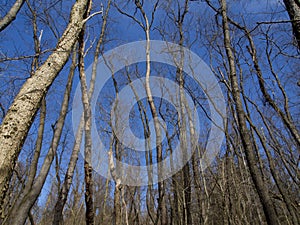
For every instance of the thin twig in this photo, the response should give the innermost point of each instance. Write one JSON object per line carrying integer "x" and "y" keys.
{"x": 276, "y": 22}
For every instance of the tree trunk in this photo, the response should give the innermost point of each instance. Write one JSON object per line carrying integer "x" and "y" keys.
{"x": 243, "y": 130}
{"x": 293, "y": 9}
{"x": 11, "y": 15}
{"x": 21, "y": 113}
{"x": 88, "y": 170}
{"x": 20, "y": 212}
{"x": 63, "y": 193}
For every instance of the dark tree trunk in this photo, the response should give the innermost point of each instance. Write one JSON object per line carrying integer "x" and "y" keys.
{"x": 293, "y": 9}
{"x": 262, "y": 191}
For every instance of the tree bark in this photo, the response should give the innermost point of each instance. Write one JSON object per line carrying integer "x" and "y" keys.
{"x": 64, "y": 191}
{"x": 11, "y": 15}
{"x": 21, "y": 113}
{"x": 20, "y": 212}
{"x": 184, "y": 110}
{"x": 243, "y": 130}
{"x": 161, "y": 199}
{"x": 161, "y": 211}
{"x": 88, "y": 170}
{"x": 293, "y": 9}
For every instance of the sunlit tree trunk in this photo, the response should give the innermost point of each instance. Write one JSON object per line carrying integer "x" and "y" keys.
{"x": 88, "y": 170}
{"x": 20, "y": 211}
{"x": 11, "y": 15}
{"x": 63, "y": 193}
{"x": 21, "y": 113}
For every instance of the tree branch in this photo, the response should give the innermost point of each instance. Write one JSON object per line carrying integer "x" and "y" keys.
{"x": 11, "y": 15}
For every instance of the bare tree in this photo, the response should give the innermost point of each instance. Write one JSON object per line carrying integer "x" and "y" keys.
{"x": 244, "y": 132}
{"x": 254, "y": 179}
{"x": 64, "y": 191}
{"x": 32, "y": 190}
{"x": 20, "y": 115}
{"x": 89, "y": 202}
